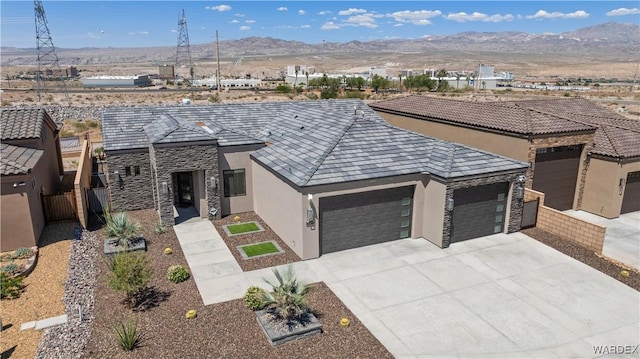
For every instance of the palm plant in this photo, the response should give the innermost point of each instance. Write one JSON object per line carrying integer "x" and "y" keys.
{"x": 119, "y": 225}
{"x": 288, "y": 298}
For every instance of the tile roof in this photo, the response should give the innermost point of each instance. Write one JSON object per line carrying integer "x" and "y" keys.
{"x": 616, "y": 136}
{"x": 15, "y": 160}
{"x": 22, "y": 123}
{"x": 511, "y": 119}
{"x": 310, "y": 142}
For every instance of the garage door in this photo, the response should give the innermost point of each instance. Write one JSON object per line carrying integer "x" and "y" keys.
{"x": 361, "y": 219}
{"x": 631, "y": 199}
{"x": 479, "y": 211}
{"x": 556, "y": 174}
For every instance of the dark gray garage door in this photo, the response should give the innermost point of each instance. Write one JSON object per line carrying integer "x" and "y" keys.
{"x": 361, "y": 219}
{"x": 479, "y": 211}
{"x": 631, "y": 199}
{"x": 556, "y": 174}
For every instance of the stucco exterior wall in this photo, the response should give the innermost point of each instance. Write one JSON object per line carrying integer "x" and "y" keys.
{"x": 82, "y": 182}
{"x": 281, "y": 207}
{"x": 133, "y": 192}
{"x": 22, "y": 218}
{"x": 435, "y": 195}
{"x": 196, "y": 158}
{"x": 508, "y": 146}
{"x": 237, "y": 157}
{"x": 603, "y": 195}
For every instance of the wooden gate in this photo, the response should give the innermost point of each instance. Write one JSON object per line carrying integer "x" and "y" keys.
{"x": 59, "y": 207}
{"x": 98, "y": 199}
{"x": 530, "y": 214}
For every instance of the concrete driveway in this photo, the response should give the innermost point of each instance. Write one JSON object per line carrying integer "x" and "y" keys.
{"x": 499, "y": 296}
{"x": 622, "y": 237}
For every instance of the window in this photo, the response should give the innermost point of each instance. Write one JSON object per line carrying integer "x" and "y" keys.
{"x": 127, "y": 171}
{"x": 234, "y": 183}
{"x": 136, "y": 170}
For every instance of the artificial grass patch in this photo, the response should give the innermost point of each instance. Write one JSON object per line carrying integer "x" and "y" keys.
{"x": 257, "y": 249}
{"x": 243, "y": 228}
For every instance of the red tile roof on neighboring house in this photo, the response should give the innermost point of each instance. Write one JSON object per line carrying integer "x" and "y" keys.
{"x": 615, "y": 135}
{"x": 510, "y": 119}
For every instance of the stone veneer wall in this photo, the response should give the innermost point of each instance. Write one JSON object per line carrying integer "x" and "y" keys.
{"x": 515, "y": 207}
{"x": 133, "y": 193}
{"x": 581, "y": 232}
{"x": 187, "y": 158}
{"x": 546, "y": 142}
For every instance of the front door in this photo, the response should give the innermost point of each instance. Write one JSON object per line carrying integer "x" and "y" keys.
{"x": 184, "y": 189}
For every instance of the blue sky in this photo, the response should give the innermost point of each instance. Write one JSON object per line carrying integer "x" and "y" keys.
{"x": 76, "y": 24}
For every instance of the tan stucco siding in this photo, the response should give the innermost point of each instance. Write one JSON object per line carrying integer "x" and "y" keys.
{"x": 433, "y": 217}
{"x": 603, "y": 194}
{"x": 17, "y": 227}
{"x": 82, "y": 182}
{"x": 236, "y": 157}
{"x": 508, "y": 146}
{"x": 280, "y": 206}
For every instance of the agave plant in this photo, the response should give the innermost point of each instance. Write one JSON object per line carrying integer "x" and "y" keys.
{"x": 288, "y": 298}
{"x": 119, "y": 225}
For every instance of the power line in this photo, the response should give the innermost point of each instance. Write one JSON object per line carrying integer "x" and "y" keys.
{"x": 47, "y": 61}
{"x": 183, "y": 52}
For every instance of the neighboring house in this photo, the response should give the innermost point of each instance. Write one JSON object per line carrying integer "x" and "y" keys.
{"x": 31, "y": 166}
{"x": 581, "y": 155}
{"x": 324, "y": 175}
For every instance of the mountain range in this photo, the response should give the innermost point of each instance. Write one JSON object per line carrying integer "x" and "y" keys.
{"x": 609, "y": 41}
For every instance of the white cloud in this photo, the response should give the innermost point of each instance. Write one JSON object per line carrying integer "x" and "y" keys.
{"x": 623, "y": 11}
{"x": 283, "y": 8}
{"x": 134, "y": 33}
{"x": 238, "y": 15}
{"x": 245, "y": 28}
{"x": 305, "y": 26}
{"x": 364, "y": 20}
{"x": 301, "y": 12}
{"x": 478, "y": 16}
{"x": 249, "y": 21}
{"x": 234, "y": 21}
{"x": 174, "y": 30}
{"x": 203, "y": 27}
{"x": 91, "y": 35}
{"x": 218, "y": 8}
{"x": 542, "y": 14}
{"x": 398, "y": 24}
{"x": 351, "y": 12}
{"x": 329, "y": 26}
{"x": 290, "y": 27}
{"x": 418, "y": 17}
{"x": 325, "y": 12}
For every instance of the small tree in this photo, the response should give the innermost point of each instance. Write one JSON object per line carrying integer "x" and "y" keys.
{"x": 289, "y": 295}
{"x": 130, "y": 273}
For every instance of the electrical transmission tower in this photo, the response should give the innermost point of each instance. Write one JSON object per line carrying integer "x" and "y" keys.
{"x": 47, "y": 61}
{"x": 183, "y": 53}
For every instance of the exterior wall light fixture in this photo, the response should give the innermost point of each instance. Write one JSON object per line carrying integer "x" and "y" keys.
{"x": 450, "y": 203}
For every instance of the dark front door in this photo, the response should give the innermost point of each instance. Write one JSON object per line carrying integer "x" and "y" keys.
{"x": 631, "y": 199}
{"x": 184, "y": 189}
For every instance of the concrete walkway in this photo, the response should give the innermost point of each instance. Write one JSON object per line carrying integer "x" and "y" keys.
{"x": 499, "y": 296}
{"x": 622, "y": 237}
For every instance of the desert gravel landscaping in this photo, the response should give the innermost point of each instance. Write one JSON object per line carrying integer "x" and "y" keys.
{"x": 42, "y": 296}
{"x": 224, "y": 330}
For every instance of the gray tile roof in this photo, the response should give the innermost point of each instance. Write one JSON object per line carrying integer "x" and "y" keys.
{"x": 308, "y": 142}
{"x": 22, "y": 123}
{"x": 513, "y": 119}
{"x": 15, "y": 160}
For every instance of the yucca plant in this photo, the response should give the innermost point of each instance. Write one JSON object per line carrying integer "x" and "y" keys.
{"x": 288, "y": 298}
{"x": 119, "y": 225}
{"x": 127, "y": 334}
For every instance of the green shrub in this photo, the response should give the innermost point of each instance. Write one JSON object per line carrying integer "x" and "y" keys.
{"x": 329, "y": 93}
{"x": 311, "y": 96}
{"x": 119, "y": 225}
{"x": 10, "y": 269}
{"x": 284, "y": 88}
{"x": 289, "y": 295}
{"x": 127, "y": 334}
{"x": 130, "y": 273}
{"x": 22, "y": 253}
{"x": 159, "y": 229}
{"x": 214, "y": 98}
{"x": 355, "y": 94}
{"x": 254, "y": 298}
{"x": 177, "y": 273}
{"x": 10, "y": 287}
